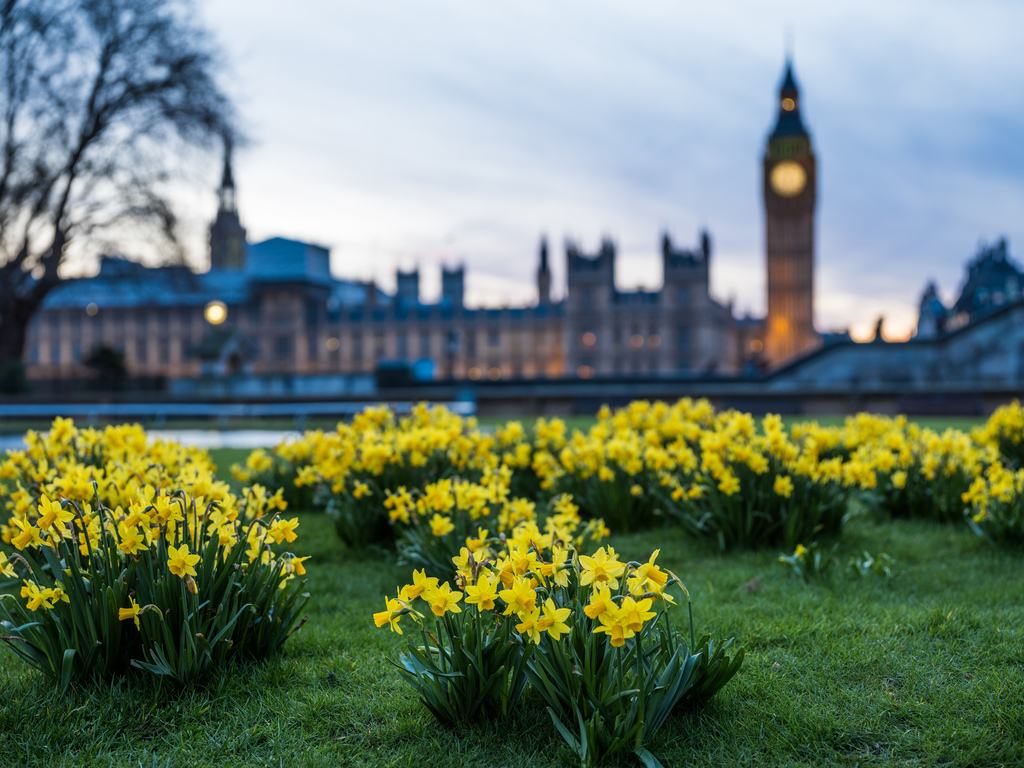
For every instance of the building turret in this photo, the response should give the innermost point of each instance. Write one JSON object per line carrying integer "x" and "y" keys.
{"x": 453, "y": 286}
{"x": 227, "y": 235}
{"x": 408, "y": 287}
{"x": 543, "y": 275}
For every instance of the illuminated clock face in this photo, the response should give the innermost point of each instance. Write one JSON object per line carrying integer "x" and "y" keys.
{"x": 788, "y": 178}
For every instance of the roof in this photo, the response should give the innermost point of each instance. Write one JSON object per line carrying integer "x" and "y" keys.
{"x": 121, "y": 283}
{"x": 993, "y": 279}
{"x": 281, "y": 258}
{"x": 789, "y": 122}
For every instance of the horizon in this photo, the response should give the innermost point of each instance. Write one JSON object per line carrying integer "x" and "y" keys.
{"x": 474, "y": 139}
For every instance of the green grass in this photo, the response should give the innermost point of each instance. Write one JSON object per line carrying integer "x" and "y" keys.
{"x": 925, "y": 668}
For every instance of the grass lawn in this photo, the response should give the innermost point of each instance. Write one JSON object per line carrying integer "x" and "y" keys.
{"x": 925, "y": 668}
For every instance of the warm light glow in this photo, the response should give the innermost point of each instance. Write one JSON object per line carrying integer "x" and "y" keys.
{"x": 92, "y": 309}
{"x": 756, "y": 345}
{"x": 494, "y": 373}
{"x": 333, "y": 344}
{"x": 788, "y": 104}
{"x": 588, "y": 339}
{"x": 585, "y": 372}
{"x": 654, "y": 340}
{"x": 788, "y": 178}
{"x": 474, "y": 372}
{"x": 216, "y": 312}
{"x": 636, "y": 341}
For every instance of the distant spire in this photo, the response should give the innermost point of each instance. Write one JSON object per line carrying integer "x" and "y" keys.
{"x": 543, "y": 274}
{"x": 789, "y": 122}
{"x": 227, "y": 179}
{"x": 788, "y": 85}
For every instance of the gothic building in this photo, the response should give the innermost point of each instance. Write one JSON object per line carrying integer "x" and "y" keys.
{"x": 993, "y": 280}
{"x": 275, "y": 307}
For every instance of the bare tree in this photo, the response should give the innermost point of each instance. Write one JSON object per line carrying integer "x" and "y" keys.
{"x": 97, "y": 98}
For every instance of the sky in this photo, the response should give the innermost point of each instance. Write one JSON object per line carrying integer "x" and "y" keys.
{"x": 403, "y": 134}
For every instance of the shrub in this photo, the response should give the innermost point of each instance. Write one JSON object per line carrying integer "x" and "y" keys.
{"x": 760, "y": 489}
{"x": 164, "y": 585}
{"x": 924, "y": 474}
{"x": 434, "y": 524}
{"x": 594, "y": 635}
{"x": 1005, "y": 430}
{"x": 996, "y": 505}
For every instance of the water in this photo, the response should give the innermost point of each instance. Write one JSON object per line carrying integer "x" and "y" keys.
{"x": 200, "y": 438}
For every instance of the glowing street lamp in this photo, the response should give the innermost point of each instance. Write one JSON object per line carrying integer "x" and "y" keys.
{"x": 215, "y": 313}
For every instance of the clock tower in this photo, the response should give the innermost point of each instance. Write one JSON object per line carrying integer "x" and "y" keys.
{"x": 790, "y": 190}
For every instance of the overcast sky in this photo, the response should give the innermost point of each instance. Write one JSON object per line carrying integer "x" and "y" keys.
{"x": 421, "y": 133}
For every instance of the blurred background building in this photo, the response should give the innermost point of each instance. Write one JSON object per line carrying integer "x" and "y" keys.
{"x": 273, "y": 307}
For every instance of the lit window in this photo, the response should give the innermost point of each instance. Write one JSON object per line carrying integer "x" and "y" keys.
{"x": 788, "y": 104}
{"x": 333, "y": 344}
{"x": 588, "y": 339}
{"x": 92, "y": 309}
{"x": 636, "y": 341}
{"x": 585, "y": 372}
{"x": 654, "y": 340}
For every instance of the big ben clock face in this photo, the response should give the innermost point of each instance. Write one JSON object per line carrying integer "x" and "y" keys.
{"x": 788, "y": 179}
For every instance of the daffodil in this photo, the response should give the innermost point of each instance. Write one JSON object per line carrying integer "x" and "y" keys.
{"x": 520, "y": 598}
{"x": 600, "y": 602}
{"x": 393, "y": 611}
{"x": 602, "y": 567}
{"x": 443, "y": 599}
{"x": 130, "y": 613}
{"x": 553, "y": 620}
{"x": 282, "y": 531}
{"x": 529, "y": 625}
{"x": 181, "y": 562}
{"x": 484, "y": 593}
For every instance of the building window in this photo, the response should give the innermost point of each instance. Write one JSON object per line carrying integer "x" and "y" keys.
{"x": 493, "y": 337}
{"x": 283, "y": 349}
{"x": 425, "y": 344}
{"x": 589, "y": 339}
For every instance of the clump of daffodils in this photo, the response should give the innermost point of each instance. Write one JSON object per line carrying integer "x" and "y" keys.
{"x": 449, "y": 515}
{"x": 113, "y": 578}
{"x": 592, "y": 634}
{"x": 1005, "y": 430}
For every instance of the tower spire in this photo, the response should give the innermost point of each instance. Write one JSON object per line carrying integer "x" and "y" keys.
{"x": 789, "y": 122}
{"x": 227, "y": 179}
{"x": 227, "y": 235}
{"x": 543, "y": 274}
